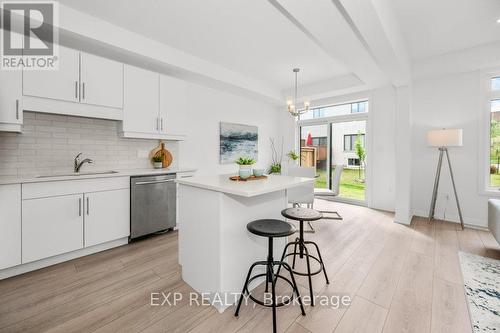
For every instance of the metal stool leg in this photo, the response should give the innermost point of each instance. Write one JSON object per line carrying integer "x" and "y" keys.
{"x": 309, "y": 276}
{"x": 273, "y": 295}
{"x": 295, "y": 287}
{"x": 321, "y": 260}
{"x": 294, "y": 252}
{"x": 245, "y": 288}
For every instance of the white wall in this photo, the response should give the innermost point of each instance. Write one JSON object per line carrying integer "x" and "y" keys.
{"x": 206, "y": 109}
{"x": 381, "y": 150}
{"x": 452, "y": 102}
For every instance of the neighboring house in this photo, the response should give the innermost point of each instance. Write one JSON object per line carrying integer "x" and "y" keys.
{"x": 344, "y": 136}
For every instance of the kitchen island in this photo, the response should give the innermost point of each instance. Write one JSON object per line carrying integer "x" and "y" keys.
{"x": 215, "y": 248}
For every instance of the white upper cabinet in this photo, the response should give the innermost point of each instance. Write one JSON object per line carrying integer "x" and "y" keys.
{"x": 84, "y": 85}
{"x": 140, "y": 103}
{"x": 10, "y": 225}
{"x": 154, "y": 105}
{"x": 61, "y": 84}
{"x": 173, "y": 106}
{"x": 101, "y": 81}
{"x": 11, "y": 115}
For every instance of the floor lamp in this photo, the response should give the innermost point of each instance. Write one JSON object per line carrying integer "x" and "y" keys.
{"x": 442, "y": 139}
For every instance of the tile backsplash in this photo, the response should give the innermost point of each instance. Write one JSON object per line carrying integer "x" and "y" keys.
{"x": 50, "y": 142}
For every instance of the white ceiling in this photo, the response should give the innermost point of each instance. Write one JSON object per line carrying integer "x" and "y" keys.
{"x": 249, "y": 37}
{"x": 434, "y": 27}
{"x": 340, "y": 45}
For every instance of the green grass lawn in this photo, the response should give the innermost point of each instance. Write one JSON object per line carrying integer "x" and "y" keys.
{"x": 349, "y": 187}
{"x": 495, "y": 180}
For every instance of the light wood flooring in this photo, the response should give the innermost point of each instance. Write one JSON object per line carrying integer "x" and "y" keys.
{"x": 400, "y": 279}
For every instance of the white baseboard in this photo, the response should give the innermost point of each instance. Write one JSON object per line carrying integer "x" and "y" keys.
{"x": 32, "y": 266}
{"x": 468, "y": 222}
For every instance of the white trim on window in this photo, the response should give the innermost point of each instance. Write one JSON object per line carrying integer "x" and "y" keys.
{"x": 486, "y": 96}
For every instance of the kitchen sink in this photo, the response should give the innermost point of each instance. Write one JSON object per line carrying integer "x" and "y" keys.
{"x": 77, "y": 174}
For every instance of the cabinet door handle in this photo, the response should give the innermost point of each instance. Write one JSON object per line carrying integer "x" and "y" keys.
{"x": 157, "y": 123}
{"x": 76, "y": 89}
{"x": 17, "y": 109}
{"x": 79, "y": 206}
{"x": 161, "y": 120}
{"x": 83, "y": 90}
{"x": 88, "y": 205}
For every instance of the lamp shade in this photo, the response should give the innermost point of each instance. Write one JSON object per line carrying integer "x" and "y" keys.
{"x": 445, "y": 137}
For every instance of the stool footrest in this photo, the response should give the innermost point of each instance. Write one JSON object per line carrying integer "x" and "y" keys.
{"x": 263, "y": 303}
{"x": 310, "y": 256}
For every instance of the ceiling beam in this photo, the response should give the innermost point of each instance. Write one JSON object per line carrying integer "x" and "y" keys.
{"x": 327, "y": 27}
{"x": 375, "y": 25}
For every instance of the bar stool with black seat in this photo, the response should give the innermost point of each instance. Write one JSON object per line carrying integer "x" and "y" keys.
{"x": 271, "y": 229}
{"x": 304, "y": 215}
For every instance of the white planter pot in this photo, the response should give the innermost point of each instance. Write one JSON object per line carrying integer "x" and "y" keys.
{"x": 158, "y": 165}
{"x": 245, "y": 167}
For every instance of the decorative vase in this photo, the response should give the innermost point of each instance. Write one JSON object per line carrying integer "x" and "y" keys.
{"x": 258, "y": 172}
{"x": 245, "y": 173}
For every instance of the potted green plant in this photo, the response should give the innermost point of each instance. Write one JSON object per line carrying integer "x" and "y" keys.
{"x": 157, "y": 161}
{"x": 276, "y": 157}
{"x": 292, "y": 155}
{"x": 245, "y": 164}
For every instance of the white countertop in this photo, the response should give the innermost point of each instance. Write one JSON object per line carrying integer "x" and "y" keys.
{"x": 4, "y": 180}
{"x": 222, "y": 183}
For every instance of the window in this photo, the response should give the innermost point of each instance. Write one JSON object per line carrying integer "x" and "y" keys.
{"x": 353, "y": 162}
{"x": 350, "y": 141}
{"x": 493, "y": 151}
{"x": 494, "y": 143}
{"x": 336, "y": 110}
{"x": 359, "y": 107}
{"x": 319, "y": 141}
{"x": 318, "y": 113}
{"x": 495, "y": 83}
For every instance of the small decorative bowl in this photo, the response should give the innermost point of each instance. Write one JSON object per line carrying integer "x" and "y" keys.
{"x": 258, "y": 172}
{"x": 244, "y": 174}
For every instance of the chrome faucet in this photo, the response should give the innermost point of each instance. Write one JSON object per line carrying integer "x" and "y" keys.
{"x": 78, "y": 164}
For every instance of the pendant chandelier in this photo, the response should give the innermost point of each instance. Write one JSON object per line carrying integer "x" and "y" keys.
{"x": 292, "y": 105}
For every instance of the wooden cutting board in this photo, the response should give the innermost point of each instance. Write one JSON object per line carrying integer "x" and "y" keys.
{"x": 161, "y": 150}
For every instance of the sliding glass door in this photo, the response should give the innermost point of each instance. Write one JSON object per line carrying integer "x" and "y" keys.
{"x": 348, "y": 142}
{"x": 336, "y": 146}
{"x": 314, "y": 152}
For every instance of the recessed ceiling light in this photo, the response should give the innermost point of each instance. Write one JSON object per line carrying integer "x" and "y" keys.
{"x": 498, "y": 21}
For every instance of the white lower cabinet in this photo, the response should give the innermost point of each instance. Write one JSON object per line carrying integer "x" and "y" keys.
{"x": 63, "y": 216}
{"x": 51, "y": 226}
{"x": 10, "y": 225}
{"x": 107, "y": 216}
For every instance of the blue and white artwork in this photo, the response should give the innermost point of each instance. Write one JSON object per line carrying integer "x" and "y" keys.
{"x": 237, "y": 140}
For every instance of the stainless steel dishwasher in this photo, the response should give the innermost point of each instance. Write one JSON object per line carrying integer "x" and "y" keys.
{"x": 152, "y": 204}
